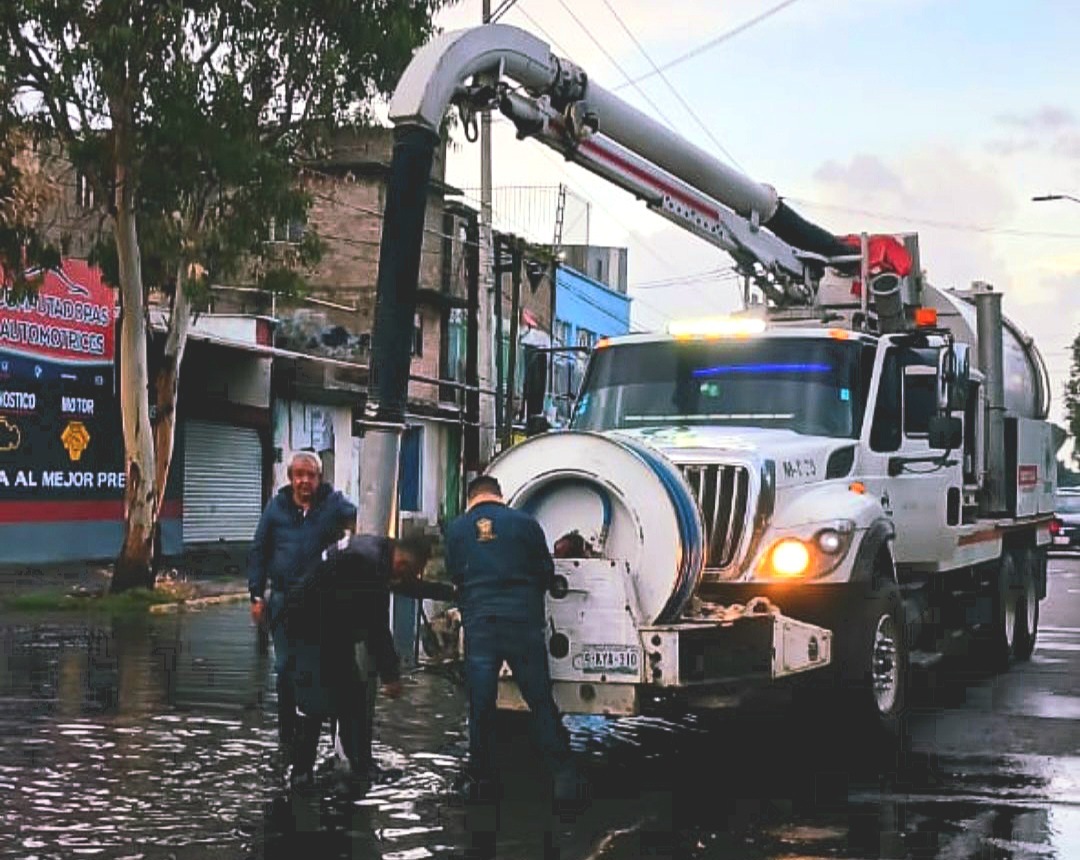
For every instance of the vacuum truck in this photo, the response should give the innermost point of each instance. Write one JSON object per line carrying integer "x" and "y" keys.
{"x": 852, "y": 476}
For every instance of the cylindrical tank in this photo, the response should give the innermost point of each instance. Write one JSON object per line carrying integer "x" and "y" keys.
{"x": 625, "y": 498}
{"x": 1027, "y": 384}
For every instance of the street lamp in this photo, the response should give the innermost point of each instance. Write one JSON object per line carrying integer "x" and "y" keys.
{"x": 1044, "y": 197}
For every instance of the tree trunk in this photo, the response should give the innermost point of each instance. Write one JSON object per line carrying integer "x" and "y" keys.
{"x": 166, "y": 384}
{"x": 134, "y": 566}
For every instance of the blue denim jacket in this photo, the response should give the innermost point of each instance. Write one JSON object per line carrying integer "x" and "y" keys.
{"x": 499, "y": 559}
{"x": 286, "y": 541}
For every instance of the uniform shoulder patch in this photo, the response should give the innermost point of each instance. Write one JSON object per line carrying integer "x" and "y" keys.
{"x": 485, "y": 529}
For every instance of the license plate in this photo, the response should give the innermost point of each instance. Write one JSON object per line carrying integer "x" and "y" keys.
{"x": 607, "y": 659}
{"x": 1061, "y": 540}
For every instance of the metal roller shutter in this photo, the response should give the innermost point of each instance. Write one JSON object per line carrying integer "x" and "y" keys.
{"x": 222, "y": 482}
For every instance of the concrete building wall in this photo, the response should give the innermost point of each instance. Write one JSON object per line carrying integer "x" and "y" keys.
{"x": 604, "y": 264}
{"x": 299, "y": 425}
{"x": 244, "y": 380}
{"x": 302, "y": 425}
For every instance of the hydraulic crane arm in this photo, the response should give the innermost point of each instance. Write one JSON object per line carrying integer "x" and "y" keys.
{"x": 552, "y": 99}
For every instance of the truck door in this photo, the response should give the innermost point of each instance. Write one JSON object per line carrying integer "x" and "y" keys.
{"x": 917, "y": 497}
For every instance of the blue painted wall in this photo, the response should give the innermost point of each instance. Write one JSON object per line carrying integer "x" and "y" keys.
{"x": 584, "y": 304}
{"x": 585, "y": 311}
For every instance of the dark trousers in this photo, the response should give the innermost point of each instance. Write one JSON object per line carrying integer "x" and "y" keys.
{"x": 487, "y": 644}
{"x": 353, "y": 732}
{"x": 351, "y": 718}
{"x": 352, "y": 703}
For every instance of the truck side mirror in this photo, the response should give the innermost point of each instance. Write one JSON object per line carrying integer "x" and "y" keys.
{"x": 946, "y": 432}
{"x": 954, "y": 371}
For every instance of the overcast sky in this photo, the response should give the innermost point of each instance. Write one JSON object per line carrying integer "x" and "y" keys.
{"x": 941, "y": 116}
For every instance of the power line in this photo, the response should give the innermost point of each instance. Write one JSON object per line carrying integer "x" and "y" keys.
{"x": 647, "y": 99}
{"x": 723, "y": 37}
{"x": 543, "y": 32}
{"x": 675, "y": 92}
{"x": 502, "y": 9}
{"x": 595, "y": 304}
{"x": 365, "y": 210}
{"x": 615, "y": 63}
{"x": 710, "y": 275}
{"x": 932, "y": 222}
{"x": 546, "y": 154}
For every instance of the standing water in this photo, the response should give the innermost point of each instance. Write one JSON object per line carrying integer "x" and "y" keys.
{"x": 154, "y": 738}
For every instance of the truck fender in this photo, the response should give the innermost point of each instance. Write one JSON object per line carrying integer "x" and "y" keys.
{"x": 874, "y": 541}
{"x": 802, "y": 506}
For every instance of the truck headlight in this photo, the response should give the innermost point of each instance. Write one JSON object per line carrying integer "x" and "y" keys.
{"x": 829, "y": 541}
{"x": 802, "y": 556}
{"x": 789, "y": 557}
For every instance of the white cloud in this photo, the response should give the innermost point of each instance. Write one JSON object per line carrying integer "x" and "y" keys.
{"x": 1052, "y": 129}
{"x": 1047, "y": 118}
{"x": 1068, "y": 146}
{"x": 1013, "y": 146}
{"x": 865, "y": 172}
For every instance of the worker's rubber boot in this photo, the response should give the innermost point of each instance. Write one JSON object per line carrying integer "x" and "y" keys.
{"x": 287, "y": 719}
{"x": 305, "y": 749}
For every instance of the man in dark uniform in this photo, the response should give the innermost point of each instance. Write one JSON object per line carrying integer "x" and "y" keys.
{"x": 337, "y": 616}
{"x": 499, "y": 559}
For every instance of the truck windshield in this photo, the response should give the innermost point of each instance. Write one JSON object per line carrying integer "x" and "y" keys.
{"x": 809, "y": 385}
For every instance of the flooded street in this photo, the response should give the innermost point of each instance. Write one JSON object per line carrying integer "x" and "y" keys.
{"x": 155, "y": 738}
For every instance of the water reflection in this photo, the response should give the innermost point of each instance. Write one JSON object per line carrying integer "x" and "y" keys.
{"x": 154, "y": 737}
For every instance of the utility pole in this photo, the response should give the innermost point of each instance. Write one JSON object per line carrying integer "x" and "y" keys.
{"x": 497, "y": 243}
{"x": 484, "y": 316}
{"x": 511, "y": 363}
{"x": 472, "y": 448}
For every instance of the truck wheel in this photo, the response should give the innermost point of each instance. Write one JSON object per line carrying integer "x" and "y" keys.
{"x": 873, "y": 665}
{"x": 1027, "y": 608}
{"x": 995, "y": 643}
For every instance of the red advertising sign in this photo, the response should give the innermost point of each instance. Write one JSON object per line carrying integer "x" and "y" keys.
{"x": 70, "y": 320}
{"x": 1027, "y": 476}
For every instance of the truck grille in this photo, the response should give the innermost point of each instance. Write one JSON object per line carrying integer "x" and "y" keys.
{"x": 722, "y": 493}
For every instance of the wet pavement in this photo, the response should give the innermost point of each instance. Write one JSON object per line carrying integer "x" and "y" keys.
{"x": 155, "y": 738}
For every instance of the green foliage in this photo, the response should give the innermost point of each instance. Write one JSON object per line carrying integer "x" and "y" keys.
{"x": 135, "y": 600}
{"x": 1072, "y": 400}
{"x": 208, "y": 106}
{"x": 25, "y": 191}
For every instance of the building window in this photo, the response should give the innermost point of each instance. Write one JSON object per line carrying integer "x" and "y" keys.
{"x": 586, "y": 338}
{"x": 84, "y": 191}
{"x": 562, "y": 333}
{"x": 600, "y": 270}
{"x": 286, "y": 231}
{"x": 418, "y": 336}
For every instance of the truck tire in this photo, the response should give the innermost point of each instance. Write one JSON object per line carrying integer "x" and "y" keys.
{"x": 1027, "y": 607}
{"x": 873, "y": 664}
{"x": 995, "y": 643}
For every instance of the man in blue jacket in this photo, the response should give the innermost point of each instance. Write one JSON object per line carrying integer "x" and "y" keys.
{"x": 499, "y": 559}
{"x": 301, "y": 521}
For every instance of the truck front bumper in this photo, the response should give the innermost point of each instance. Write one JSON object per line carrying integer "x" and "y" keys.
{"x": 703, "y": 663}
